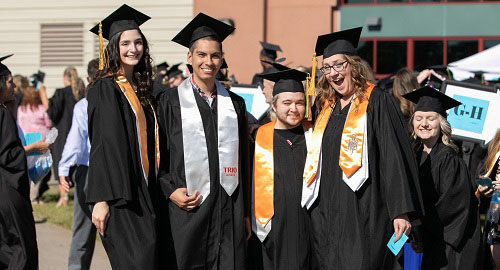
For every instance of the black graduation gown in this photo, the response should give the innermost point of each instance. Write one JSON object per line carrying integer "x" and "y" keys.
{"x": 451, "y": 223}
{"x": 211, "y": 236}
{"x": 115, "y": 175}
{"x": 264, "y": 119}
{"x": 158, "y": 87}
{"x": 351, "y": 229}
{"x": 60, "y": 112}
{"x": 287, "y": 246}
{"x": 18, "y": 248}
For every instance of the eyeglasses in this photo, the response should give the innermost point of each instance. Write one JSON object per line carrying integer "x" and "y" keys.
{"x": 337, "y": 67}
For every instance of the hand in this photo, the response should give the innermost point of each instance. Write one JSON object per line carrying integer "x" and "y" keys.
{"x": 248, "y": 227}
{"x": 100, "y": 216}
{"x": 65, "y": 183}
{"x": 401, "y": 225}
{"x": 485, "y": 190}
{"x": 423, "y": 75}
{"x": 180, "y": 198}
{"x": 41, "y": 147}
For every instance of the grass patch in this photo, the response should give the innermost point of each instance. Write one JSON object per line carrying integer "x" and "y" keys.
{"x": 47, "y": 211}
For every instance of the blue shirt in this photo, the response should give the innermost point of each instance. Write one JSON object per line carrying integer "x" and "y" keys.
{"x": 77, "y": 148}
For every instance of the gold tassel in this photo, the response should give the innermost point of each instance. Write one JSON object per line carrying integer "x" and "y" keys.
{"x": 102, "y": 58}
{"x": 311, "y": 89}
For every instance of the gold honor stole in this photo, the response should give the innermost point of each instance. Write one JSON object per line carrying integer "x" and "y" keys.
{"x": 141, "y": 124}
{"x": 263, "y": 177}
{"x": 351, "y": 150}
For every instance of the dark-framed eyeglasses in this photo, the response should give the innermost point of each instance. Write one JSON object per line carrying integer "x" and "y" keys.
{"x": 337, "y": 67}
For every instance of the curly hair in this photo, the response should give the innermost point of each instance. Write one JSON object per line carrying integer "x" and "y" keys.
{"x": 143, "y": 71}
{"x": 359, "y": 77}
{"x": 445, "y": 130}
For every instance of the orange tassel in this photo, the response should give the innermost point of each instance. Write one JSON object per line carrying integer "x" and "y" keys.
{"x": 311, "y": 89}
{"x": 102, "y": 58}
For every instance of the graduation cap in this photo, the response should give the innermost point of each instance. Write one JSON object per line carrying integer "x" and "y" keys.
{"x": 162, "y": 66}
{"x": 122, "y": 19}
{"x": 276, "y": 64}
{"x": 429, "y": 99}
{"x": 387, "y": 83}
{"x": 269, "y": 50}
{"x": 174, "y": 70}
{"x": 435, "y": 81}
{"x": 289, "y": 80}
{"x": 342, "y": 42}
{"x": 202, "y": 26}
{"x": 4, "y": 70}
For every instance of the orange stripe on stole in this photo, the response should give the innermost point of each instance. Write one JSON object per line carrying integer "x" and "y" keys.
{"x": 313, "y": 153}
{"x": 140, "y": 120}
{"x": 351, "y": 148}
{"x": 264, "y": 174}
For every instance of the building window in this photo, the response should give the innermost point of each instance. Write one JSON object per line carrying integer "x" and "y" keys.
{"x": 459, "y": 49}
{"x": 391, "y": 56}
{"x": 365, "y": 51}
{"x": 491, "y": 43}
{"x": 427, "y": 53}
{"x": 61, "y": 44}
{"x": 359, "y": 1}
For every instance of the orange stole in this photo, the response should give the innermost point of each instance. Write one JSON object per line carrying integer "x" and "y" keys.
{"x": 352, "y": 139}
{"x": 264, "y": 173}
{"x": 351, "y": 148}
{"x": 140, "y": 123}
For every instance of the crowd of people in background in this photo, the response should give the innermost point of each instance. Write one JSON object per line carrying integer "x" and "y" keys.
{"x": 173, "y": 172}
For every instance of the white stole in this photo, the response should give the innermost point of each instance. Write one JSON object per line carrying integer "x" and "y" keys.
{"x": 196, "y": 164}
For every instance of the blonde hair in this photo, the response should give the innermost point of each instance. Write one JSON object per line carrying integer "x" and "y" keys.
{"x": 445, "y": 130}
{"x": 404, "y": 81}
{"x": 359, "y": 78}
{"x": 77, "y": 88}
{"x": 493, "y": 149}
{"x": 271, "y": 113}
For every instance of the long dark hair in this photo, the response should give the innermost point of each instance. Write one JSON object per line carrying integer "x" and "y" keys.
{"x": 143, "y": 71}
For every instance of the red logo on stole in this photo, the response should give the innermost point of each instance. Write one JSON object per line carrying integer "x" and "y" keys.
{"x": 230, "y": 171}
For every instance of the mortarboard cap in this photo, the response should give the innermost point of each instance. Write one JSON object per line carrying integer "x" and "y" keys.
{"x": 4, "y": 70}
{"x": 202, "y": 26}
{"x": 269, "y": 50}
{"x": 162, "y": 66}
{"x": 289, "y": 80}
{"x": 174, "y": 70}
{"x": 276, "y": 64}
{"x": 224, "y": 63}
{"x": 429, "y": 99}
{"x": 342, "y": 42}
{"x": 122, "y": 19}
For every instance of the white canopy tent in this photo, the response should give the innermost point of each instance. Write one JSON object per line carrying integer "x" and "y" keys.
{"x": 487, "y": 61}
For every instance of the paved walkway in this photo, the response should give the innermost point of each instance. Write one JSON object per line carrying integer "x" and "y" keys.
{"x": 53, "y": 249}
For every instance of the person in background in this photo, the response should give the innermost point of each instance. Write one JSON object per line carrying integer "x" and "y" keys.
{"x": 33, "y": 118}
{"x": 76, "y": 153}
{"x": 491, "y": 170}
{"x": 60, "y": 110}
{"x": 161, "y": 80}
{"x": 21, "y": 84}
{"x": 405, "y": 81}
{"x": 175, "y": 77}
{"x": 268, "y": 54}
{"x": 18, "y": 247}
{"x": 450, "y": 226}
{"x": 124, "y": 154}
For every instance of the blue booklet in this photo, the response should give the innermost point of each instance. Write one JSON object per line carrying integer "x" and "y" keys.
{"x": 396, "y": 247}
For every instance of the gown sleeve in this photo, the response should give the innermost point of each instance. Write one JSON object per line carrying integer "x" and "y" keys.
{"x": 110, "y": 165}
{"x": 12, "y": 156}
{"x": 455, "y": 197}
{"x": 56, "y": 106}
{"x": 245, "y": 157}
{"x": 397, "y": 163}
{"x": 167, "y": 184}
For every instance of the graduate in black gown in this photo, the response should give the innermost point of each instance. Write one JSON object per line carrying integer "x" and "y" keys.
{"x": 269, "y": 53}
{"x": 18, "y": 248}
{"x": 161, "y": 81}
{"x": 204, "y": 153}
{"x": 279, "y": 220}
{"x": 124, "y": 149}
{"x": 451, "y": 229}
{"x": 360, "y": 179}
